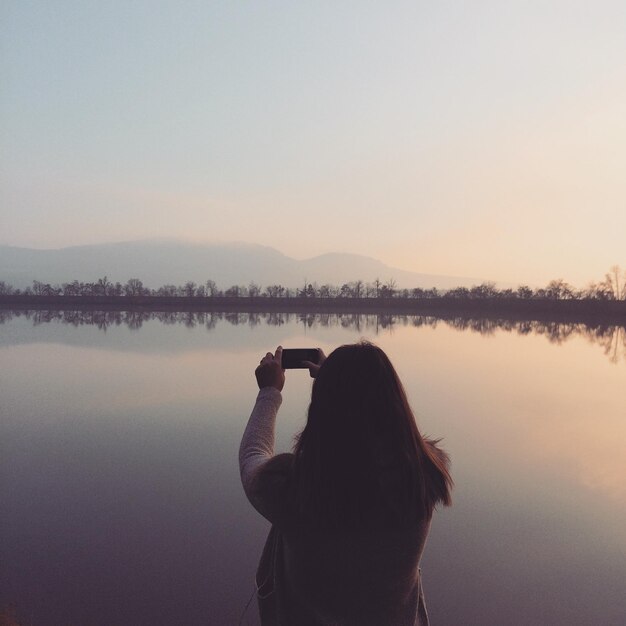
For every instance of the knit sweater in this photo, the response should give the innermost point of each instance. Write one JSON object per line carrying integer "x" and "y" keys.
{"x": 309, "y": 578}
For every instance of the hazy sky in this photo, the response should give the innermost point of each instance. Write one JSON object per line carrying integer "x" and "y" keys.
{"x": 479, "y": 139}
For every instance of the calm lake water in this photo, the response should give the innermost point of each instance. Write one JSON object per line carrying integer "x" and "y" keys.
{"x": 119, "y": 486}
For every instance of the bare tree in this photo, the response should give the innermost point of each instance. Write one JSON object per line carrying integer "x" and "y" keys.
{"x": 324, "y": 291}
{"x": 558, "y": 290}
{"x": 167, "y": 290}
{"x": 211, "y": 288}
{"x": 484, "y": 290}
{"x": 134, "y": 287}
{"x": 377, "y": 285}
{"x": 235, "y": 291}
{"x": 459, "y": 293}
{"x": 308, "y": 291}
{"x": 524, "y": 292}
{"x": 189, "y": 289}
{"x": 614, "y": 279}
{"x": 388, "y": 290}
{"x": 101, "y": 286}
{"x": 275, "y": 291}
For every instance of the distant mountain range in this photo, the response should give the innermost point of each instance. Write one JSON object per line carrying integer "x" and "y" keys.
{"x": 158, "y": 262}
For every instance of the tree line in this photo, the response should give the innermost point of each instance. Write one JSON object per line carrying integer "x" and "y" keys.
{"x": 612, "y": 287}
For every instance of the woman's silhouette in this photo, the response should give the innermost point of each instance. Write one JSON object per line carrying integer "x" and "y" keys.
{"x": 351, "y": 506}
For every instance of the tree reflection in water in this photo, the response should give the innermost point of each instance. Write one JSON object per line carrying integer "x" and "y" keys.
{"x": 611, "y": 338}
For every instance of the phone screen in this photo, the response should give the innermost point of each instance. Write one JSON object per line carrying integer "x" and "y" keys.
{"x": 293, "y": 357}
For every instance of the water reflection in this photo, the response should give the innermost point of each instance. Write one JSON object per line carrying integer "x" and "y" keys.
{"x": 611, "y": 338}
{"x": 120, "y": 491}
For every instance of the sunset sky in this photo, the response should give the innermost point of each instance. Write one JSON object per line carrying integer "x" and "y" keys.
{"x": 481, "y": 138}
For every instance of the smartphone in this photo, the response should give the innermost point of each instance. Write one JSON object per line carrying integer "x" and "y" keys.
{"x": 293, "y": 357}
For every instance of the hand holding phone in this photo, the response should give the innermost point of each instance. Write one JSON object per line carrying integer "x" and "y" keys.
{"x": 304, "y": 358}
{"x": 270, "y": 372}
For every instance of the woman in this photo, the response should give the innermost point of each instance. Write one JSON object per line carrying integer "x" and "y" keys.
{"x": 351, "y": 506}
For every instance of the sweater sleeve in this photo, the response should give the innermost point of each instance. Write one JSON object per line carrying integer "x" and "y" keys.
{"x": 257, "y": 444}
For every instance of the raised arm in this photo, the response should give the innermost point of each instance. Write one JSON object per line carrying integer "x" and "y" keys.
{"x": 257, "y": 444}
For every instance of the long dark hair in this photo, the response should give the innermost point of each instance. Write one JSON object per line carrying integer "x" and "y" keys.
{"x": 361, "y": 459}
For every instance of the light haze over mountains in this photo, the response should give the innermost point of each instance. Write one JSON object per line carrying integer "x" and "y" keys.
{"x": 161, "y": 262}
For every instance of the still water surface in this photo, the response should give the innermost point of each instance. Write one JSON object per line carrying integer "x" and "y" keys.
{"x": 120, "y": 494}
